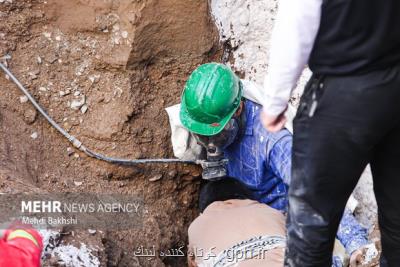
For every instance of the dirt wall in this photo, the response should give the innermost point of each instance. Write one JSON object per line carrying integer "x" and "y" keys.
{"x": 105, "y": 71}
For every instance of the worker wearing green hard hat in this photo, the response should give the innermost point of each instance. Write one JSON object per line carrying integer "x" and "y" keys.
{"x": 211, "y": 97}
{"x": 229, "y": 127}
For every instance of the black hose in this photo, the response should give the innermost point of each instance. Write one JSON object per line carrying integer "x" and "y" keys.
{"x": 78, "y": 144}
{"x": 135, "y": 161}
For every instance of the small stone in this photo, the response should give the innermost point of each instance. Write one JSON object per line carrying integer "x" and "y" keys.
{"x": 39, "y": 60}
{"x": 7, "y": 77}
{"x": 42, "y": 89}
{"x": 94, "y": 78}
{"x": 92, "y": 231}
{"x": 115, "y": 28}
{"x": 188, "y": 178}
{"x": 77, "y": 93}
{"x": 34, "y": 135}
{"x": 116, "y": 40}
{"x": 124, "y": 34}
{"x": 51, "y": 58}
{"x": 77, "y": 104}
{"x": 23, "y": 99}
{"x": 32, "y": 75}
{"x": 47, "y": 35}
{"x": 78, "y": 183}
{"x": 84, "y": 108}
{"x": 58, "y": 38}
{"x": 67, "y": 126}
{"x": 64, "y": 93}
{"x": 70, "y": 151}
{"x": 30, "y": 116}
{"x": 172, "y": 173}
{"x": 155, "y": 178}
{"x": 196, "y": 174}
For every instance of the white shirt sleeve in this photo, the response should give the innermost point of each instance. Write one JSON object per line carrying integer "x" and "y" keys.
{"x": 293, "y": 37}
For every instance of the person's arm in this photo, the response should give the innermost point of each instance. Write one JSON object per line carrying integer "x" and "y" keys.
{"x": 280, "y": 155}
{"x": 350, "y": 233}
{"x": 292, "y": 40}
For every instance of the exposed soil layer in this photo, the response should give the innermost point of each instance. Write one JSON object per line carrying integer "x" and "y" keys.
{"x": 105, "y": 71}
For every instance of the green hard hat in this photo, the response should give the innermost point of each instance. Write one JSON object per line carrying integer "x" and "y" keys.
{"x": 211, "y": 96}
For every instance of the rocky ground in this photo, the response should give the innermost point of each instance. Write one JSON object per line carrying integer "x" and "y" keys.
{"x": 105, "y": 71}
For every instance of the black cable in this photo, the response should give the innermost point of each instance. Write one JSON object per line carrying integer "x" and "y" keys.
{"x": 78, "y": 144}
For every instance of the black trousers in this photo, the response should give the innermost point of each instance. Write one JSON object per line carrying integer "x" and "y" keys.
{"x": 342, "y": 124}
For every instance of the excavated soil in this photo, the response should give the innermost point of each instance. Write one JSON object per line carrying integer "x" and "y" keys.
{"x": 105, "y": 71}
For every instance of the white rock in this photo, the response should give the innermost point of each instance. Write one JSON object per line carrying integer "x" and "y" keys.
{"x": 115, "y": 28}
{"x": 74, "y": 256}
{"x": 34, "y": 135}
{"x": 247, "y": 25}
{"x": 94, "y": 78}
{"x": 116, "y": 40}
{"x": 47, "y": 35}
{"x": 77, "y": 93}
{"x": 58, "y": 38}
{"x": 79, "y": 70}
{"x": 155, "y": 178}
{"x": 23, "y": 99}
{"x": 92, "y": 231}
{"x": 33, "y": 75}
{"x": 84, "y": 109}
{"x": 39, "y": 60}
{"x": 78, "y": 183}
{"x": 64, "y": 93}
{"x": 124, "y": 34}
{"x": 77, "y": 104}
{"x": 42, "y": 89}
